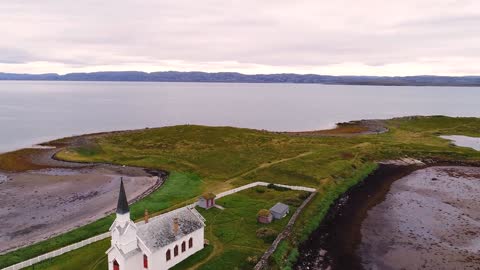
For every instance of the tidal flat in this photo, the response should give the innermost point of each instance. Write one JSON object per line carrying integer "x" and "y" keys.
{"x": 429, "y": 219}
{"x": 36, "y": 205}
{"x": 402, "y": 217}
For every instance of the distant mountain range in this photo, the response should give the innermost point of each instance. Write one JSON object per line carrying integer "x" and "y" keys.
{"x": 233, "y": 77}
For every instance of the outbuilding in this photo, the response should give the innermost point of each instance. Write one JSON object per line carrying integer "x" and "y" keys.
{"x": 207, "y": 200}
{"x": 264, "y": 216}
{"x": 279, "y": 210}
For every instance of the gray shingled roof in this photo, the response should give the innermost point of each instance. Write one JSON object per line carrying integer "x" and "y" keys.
{"x": 122, "y": 205}
{"x": 158, "y": 232}
{"x": 279, "y": 208}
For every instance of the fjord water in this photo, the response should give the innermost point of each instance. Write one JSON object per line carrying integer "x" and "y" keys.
{"x": 36, "y": 111}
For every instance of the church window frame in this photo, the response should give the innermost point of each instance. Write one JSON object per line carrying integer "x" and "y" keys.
{"x": 168, "y": 255}
{"x": 145, "y": 261}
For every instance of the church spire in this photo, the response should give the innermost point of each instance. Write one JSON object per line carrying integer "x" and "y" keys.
{"x": 122, "y": 205}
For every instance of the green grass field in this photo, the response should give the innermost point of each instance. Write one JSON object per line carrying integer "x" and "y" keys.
{"x": 232, "y": 231}
{"x": 214, "y": 159}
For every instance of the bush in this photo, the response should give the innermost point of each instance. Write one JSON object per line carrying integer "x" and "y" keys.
{"x": 303, "y": 196}
{"x": 267, "y": 234}
{"x": 293, "y": 201}
{"x": 252, "y": 260}
{"x": 260, "y": 189}
{"x": 277, "y": 188}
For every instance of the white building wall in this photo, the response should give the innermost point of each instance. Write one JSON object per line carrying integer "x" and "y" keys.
{"x": 114, "y": 254}
{"x": 128, "y": 240}
{"x": 134, "y": 262}
{"x": 202, "y": 203}
{"x": 158, "y": 260}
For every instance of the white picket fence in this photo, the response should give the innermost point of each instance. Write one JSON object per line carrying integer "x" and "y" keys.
{"x": 254, "y": 184}
{"x": 102, "y": 236}
{"x": 57, "y": 252}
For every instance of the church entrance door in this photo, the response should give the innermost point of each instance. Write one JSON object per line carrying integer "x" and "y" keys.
{"x": 115, "y": 265}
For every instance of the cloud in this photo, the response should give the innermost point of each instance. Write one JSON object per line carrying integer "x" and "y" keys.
{"x": 370, "y": 37}
{"x": 14, "y": 56}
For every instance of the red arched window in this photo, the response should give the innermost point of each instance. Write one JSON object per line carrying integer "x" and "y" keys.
{"x": 115, "y": 265}
{"x": 168, "y": 255}
{"x": 190, "y": 243}
{"x": 145, "y": 261}
{"x": 184, "y": 246}
{"x": 175, "y": 251}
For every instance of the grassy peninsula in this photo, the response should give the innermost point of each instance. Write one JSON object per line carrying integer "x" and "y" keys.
{"x": 213, "y": 159}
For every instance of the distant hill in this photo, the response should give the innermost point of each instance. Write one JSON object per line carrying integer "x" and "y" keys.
{"x": 233, "y": 77}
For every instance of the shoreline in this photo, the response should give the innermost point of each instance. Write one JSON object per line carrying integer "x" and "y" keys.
{"x": 44, "y": 168}
{"x": 349, "y": 209}
{"x": 334, "y": 244}
{"x": 340, "y": 129}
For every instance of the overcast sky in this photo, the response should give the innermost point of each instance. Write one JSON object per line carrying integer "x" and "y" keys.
{"x": 338, "y": 37}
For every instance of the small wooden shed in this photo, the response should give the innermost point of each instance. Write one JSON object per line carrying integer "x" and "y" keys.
{"x": 207, "y": 200}
{"x": 264, "y": 216}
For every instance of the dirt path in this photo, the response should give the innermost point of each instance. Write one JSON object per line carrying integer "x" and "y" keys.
{"x": 266, "y": 165}
{"x": 217, "y": 248}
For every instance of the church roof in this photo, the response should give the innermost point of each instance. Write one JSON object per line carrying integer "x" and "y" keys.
{"x": 160, "y": 231}
{"x": 122, "y": 205}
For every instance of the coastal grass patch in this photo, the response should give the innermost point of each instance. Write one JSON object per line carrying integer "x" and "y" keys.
{"x": 232, "y": 259}
{"x": 88, "y": 258}
{"x": 214, "y": 153}
{"x": 193, "y": 260}
{"x": 438, "y": 125}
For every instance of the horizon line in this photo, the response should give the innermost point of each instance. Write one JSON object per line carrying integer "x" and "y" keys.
{"x": 236, "y": 72}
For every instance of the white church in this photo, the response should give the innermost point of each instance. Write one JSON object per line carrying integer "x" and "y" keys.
{"x": 159, "y": 243}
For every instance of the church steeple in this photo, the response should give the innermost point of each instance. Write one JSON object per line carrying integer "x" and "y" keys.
{"x": 122, "y": 205}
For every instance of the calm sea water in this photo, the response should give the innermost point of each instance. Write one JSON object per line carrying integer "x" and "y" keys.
{"x": 32, "y": 111}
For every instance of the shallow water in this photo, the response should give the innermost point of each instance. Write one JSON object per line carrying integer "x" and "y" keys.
{"x": 36, "y": 111}
{"x": 3, "y": 178}
{"x": 465, "y": 141}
